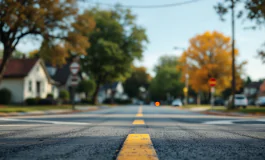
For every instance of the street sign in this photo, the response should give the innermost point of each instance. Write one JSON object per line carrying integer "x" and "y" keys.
{"x": 212, "y": 82}
{"x": 74, "y": 80}
{"x": 212, "y": 89}
{"x": 74, "y": 68}
{"x": 185, "y": 89}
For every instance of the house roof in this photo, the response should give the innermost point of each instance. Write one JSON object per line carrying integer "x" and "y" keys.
{"x": 18, "y": 68}
{"x": 109, "y": 86}
{"x": 254, "y": 85}
{"x": 62, "y": 73}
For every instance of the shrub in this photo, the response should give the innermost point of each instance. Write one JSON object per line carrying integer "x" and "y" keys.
{"x": 107, "y": 101}
{"x": 31, "y": 101}
{"x": 5, "y": 96}
{"x": 49, "y": 96}
{"x": 117, "y": 101}
{"x": 46, "y": 102}
{"x": 86, "y": 101}
{"x": 64, "y": 95}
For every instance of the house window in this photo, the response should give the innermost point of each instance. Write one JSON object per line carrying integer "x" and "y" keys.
{"x": 30, "y": 86}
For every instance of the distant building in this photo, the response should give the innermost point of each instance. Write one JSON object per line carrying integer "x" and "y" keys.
{"x": 63, "y": 76}
{"x": 252, "y": 89}
{"x": 28, "y": 78}
{"x": 106, "y": 91}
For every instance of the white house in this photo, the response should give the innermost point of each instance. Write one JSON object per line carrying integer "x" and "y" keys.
{"x": 105, "y": 92}
{"x": 28, "y": 78}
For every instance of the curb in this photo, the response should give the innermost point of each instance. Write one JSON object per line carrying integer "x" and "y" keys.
{"x": 235, "y": 114}
{"x": 14, "y": 114}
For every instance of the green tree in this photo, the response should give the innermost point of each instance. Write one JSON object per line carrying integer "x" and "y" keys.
{"x": 139, "y": 78}
{"x": 64, "y": 95}
{"x": 46, "y": 18}
{"x": 252, "y": 10}
{"x": 115, "y": 42}
{"x": 167, "y": 81}
{"x": 87, "y": 87}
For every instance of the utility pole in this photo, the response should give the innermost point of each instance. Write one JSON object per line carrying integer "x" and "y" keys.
{"x": 233, "y": 55}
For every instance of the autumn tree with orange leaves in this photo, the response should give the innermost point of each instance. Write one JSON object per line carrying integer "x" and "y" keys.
{"x": 209, "y": 55}
{"x": 53, "y": 20}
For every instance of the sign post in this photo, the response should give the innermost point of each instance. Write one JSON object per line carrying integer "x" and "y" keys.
{"x": 74, "y": 68}
{"x": 212, "y": 83}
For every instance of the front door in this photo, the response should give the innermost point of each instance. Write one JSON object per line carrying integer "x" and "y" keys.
{"x": 38, "y": 88}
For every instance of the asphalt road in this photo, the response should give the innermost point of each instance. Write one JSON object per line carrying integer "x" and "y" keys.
{"x": 99, "y": 135}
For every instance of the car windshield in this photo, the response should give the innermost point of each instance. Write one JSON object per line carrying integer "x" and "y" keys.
{"x": 240, "y": 97}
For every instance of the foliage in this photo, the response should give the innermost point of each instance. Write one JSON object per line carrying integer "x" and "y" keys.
{"x": 50, "y": 96}
{"x": 15, "y": 54}
{"x": 87, "y": 87}
{"x": 5, "y": 95}
{"x": 115, "y": 42}
{"x": 209, "y": 55}
{"x": 64, "y": 95}
{"x": 253, "y": 10}
{"x": 167, "y": 80}
{"x": 117, "y": 101}
{"x": 31, "y": 101}
{"x": 46, "y": 18}
{"x": 139, "y": 78}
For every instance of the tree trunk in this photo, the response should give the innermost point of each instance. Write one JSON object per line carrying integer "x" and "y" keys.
{"x": 95, "y": 94}
{"x": 6, "y": 55}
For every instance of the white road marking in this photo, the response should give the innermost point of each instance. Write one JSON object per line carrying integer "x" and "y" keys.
{"x": 19, "y": 125}
{"x": 232, "y": 121}
{"x": 41, "y": 121}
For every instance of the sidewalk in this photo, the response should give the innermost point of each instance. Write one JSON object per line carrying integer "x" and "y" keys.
{"x": 55, "y": 111}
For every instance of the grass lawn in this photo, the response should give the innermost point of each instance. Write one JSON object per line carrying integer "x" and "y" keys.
{"x": 8, "y": 109}
{"x": 196, "y": 106}
{"x": 249, "y": 109}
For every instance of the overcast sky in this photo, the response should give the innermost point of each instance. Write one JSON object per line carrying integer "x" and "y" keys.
{"x": 169, "y": 27}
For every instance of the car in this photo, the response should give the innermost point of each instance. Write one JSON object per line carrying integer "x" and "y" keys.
{"x": 240, "y": 101}
{"x": 176, "y": 102}
{"x": 260, "y": 101}
{"x": 219, "y": 102}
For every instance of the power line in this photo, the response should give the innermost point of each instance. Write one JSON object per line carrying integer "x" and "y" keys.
{"x": 147, "y": 6}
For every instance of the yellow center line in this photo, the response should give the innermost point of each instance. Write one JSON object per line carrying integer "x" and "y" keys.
{"x": 139, "y": 115}
{"x": 137, "y": 122}
{"x": 138, "y": 147}
{"x": 140, "y": 112}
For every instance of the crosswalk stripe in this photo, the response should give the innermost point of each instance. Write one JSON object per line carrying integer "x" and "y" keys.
{"x": 137, "y": 147}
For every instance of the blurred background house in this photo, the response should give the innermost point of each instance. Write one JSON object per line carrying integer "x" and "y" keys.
{"x": 114, "y": 90}
{"x": 27, "y": 78}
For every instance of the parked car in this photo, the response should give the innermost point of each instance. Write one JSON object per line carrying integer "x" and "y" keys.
{"x": 240, "y": 101}
{"x": 260, "y": 101}
{"x": 219, "y": 102}
{"x": 176, "y": 102}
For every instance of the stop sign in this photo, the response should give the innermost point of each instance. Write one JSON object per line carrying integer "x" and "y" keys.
{"x": 212, "y": 82}
{"x": 74, "y": 68}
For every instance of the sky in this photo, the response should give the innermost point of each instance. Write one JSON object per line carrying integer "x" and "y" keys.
{"x": 172, "y": 27}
